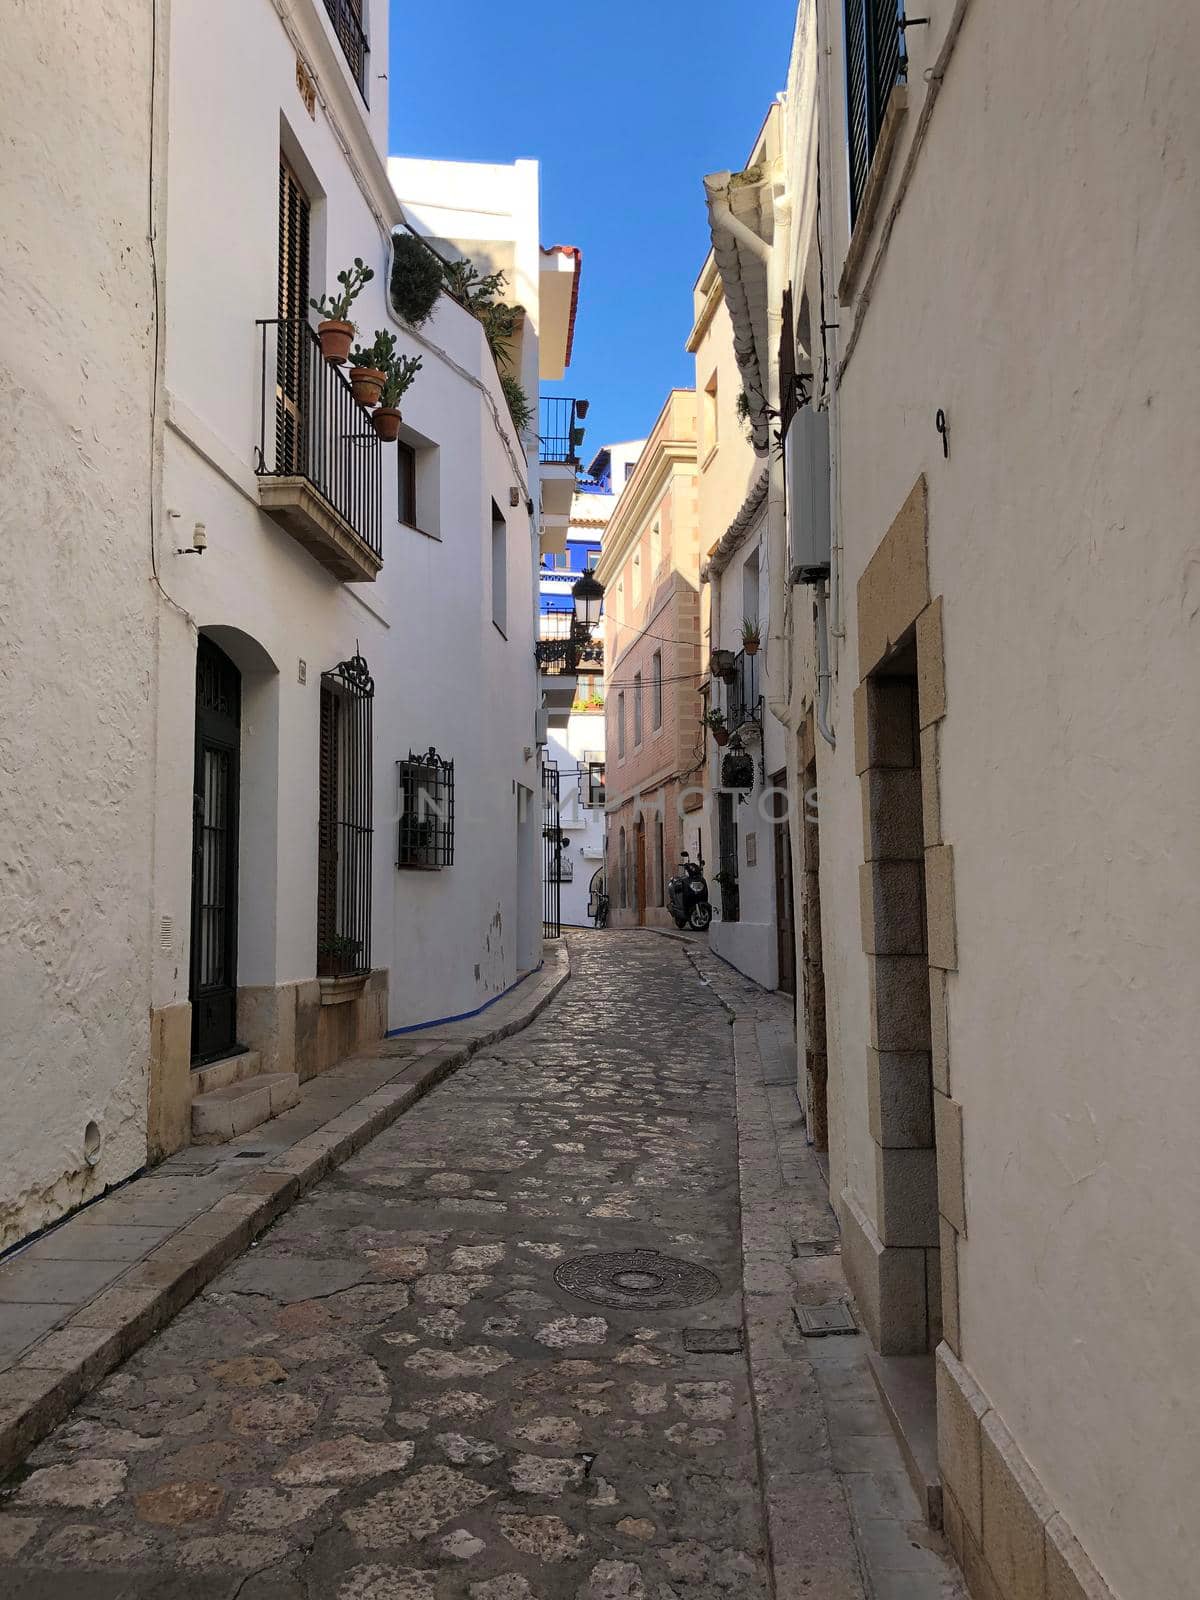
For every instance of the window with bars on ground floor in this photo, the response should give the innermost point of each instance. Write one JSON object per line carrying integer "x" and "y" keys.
{"x": 345, "y": 824}
{"x": 426, "y": 828}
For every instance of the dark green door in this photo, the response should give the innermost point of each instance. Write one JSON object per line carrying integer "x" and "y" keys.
{"x": 213, "y": 987}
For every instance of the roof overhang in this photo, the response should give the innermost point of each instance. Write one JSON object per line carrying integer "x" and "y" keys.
{"x": 735, "y": 535}
{"x": 741, "y": 221}
{"x": 558, "y": 302}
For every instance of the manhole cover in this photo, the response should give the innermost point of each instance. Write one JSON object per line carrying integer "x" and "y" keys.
{"x": 637, "y": 1279}
{"x": 818, "y": 1322}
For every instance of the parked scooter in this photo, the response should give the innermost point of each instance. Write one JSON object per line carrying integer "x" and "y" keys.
{"x": 687, "y": 895}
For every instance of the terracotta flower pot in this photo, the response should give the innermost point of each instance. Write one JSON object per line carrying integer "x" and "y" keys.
{"x": 367, "y": 383}
{"x": 750, "y": 646}
{"x": 721, "y": 735}
{"x": 387, "y": 423}
{"x": 336, "y": 339}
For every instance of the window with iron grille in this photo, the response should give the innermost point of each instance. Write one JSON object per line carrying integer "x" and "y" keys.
{"x": 345, "y": 827}
{"x": 426, "y": 827}
{"x": 875, "y": 63}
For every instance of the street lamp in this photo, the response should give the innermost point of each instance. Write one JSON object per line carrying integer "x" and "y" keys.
{"x": 587, "y": 596}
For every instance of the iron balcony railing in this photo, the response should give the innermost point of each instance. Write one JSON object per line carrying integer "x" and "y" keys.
{"x": 346, "y": 16}
{"x": 742, "y": 698}
{"x": 560, "y": 432}
{"x": 311, "y": 426}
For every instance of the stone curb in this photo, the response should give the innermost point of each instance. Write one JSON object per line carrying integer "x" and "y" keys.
{"x": 810, "y": 1529}
{"x": 59, "y": 1370}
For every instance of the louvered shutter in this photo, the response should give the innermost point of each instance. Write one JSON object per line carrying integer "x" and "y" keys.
{"x": 874, "y": 64}
{"x": 327, "y": 823}
{"x": 293, "y": 353}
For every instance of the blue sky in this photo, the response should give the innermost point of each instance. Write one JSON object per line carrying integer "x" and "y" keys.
{"x": 626, "y": 106}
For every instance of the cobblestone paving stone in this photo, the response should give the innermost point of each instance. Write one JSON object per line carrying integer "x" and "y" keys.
{"x": 390, "y": 1398}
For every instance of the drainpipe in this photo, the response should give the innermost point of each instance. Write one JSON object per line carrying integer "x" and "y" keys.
{"x": 721, "y": 216}
{"x": 823, "y": 673}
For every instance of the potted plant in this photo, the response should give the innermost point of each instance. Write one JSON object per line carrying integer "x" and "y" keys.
{"x": 401, "y": 371}
{"x": 715, "y": 721}
{"x": 335, "y": 331}
{"x": 369, "y": 368}
{"x": 750, "y": 636}
{"x": 334, "y": 955}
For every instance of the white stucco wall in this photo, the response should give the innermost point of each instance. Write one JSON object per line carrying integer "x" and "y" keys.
{"x": 1041, "y": 286}
{"x": 76, "y": 607}
{"x": 750, "y": 943}
{"x": 444, "y": 675}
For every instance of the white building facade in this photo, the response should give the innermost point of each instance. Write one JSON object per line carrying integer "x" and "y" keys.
{"x": 342, "y": 630}
{"x": 973, "y": 330}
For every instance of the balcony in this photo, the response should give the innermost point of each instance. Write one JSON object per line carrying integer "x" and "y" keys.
{"x": 560, "y": 435}
{"x": 743, "y": 702}
{"x": 319, "y": 458}
{"x": 346, "y": 16}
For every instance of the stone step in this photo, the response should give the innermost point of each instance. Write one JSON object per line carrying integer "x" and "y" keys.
{"x": 907, "y": 1388}
{"x": 230, "y": 1069}
{"x": 222, "y": 1114}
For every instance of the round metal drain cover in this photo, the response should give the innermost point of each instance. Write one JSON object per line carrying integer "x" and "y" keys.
{"x": 634, "y": 1279}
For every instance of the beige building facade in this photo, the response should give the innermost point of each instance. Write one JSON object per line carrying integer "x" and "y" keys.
{"x": 748, "y": 828}
{"x": 654, "y": 745}
{"x": 988, "y": 304}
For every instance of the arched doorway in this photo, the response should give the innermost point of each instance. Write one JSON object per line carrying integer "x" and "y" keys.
{"x": 213, "y": 978}
{"x": 639, "y": 870}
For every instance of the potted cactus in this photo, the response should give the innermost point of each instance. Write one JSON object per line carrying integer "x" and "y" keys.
{"x": 335, "y": 330}
{"x": 401, "y": 371}
{"x": 369, "y": 368}
{"x": 750, "y": 636}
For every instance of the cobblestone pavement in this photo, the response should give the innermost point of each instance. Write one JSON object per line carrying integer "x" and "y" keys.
{"x": 391, "y": 1398}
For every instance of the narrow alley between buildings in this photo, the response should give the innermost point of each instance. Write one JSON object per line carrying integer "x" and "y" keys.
{"x": 426, "y": 1381}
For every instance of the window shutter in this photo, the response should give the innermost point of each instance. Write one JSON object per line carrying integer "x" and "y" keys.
{"x": 327, "y": 824}
{"x": 874, "y": 64}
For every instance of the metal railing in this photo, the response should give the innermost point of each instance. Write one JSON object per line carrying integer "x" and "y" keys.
{"x": 318, "y": 430}
{"x": 346, "y": 16}
{"x": 743, "y": 702}
{"x": 559, "y": 432}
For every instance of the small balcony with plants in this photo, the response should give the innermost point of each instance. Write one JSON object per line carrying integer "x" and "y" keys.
{"x": 321, "y": 429}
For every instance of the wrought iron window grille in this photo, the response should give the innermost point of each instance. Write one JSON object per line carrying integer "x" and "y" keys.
{"x": 345, "y": 821}
{"x": 425, "y": 832}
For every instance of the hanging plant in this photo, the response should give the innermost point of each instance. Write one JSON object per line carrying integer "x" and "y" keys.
{"x": 750, "y": 636}
{"x": 480, "y": 292}
{"x": 714, "y": 721}
{"x": 519, "y": 404}
{"x": 416, "y": 280}
{"x": 737, "y": 770}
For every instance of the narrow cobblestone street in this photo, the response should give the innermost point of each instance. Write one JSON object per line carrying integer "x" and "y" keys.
{"x": 390, "y": 1397}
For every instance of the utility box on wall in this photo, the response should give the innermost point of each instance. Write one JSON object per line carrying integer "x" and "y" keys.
{"x": 806, "y": 474}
